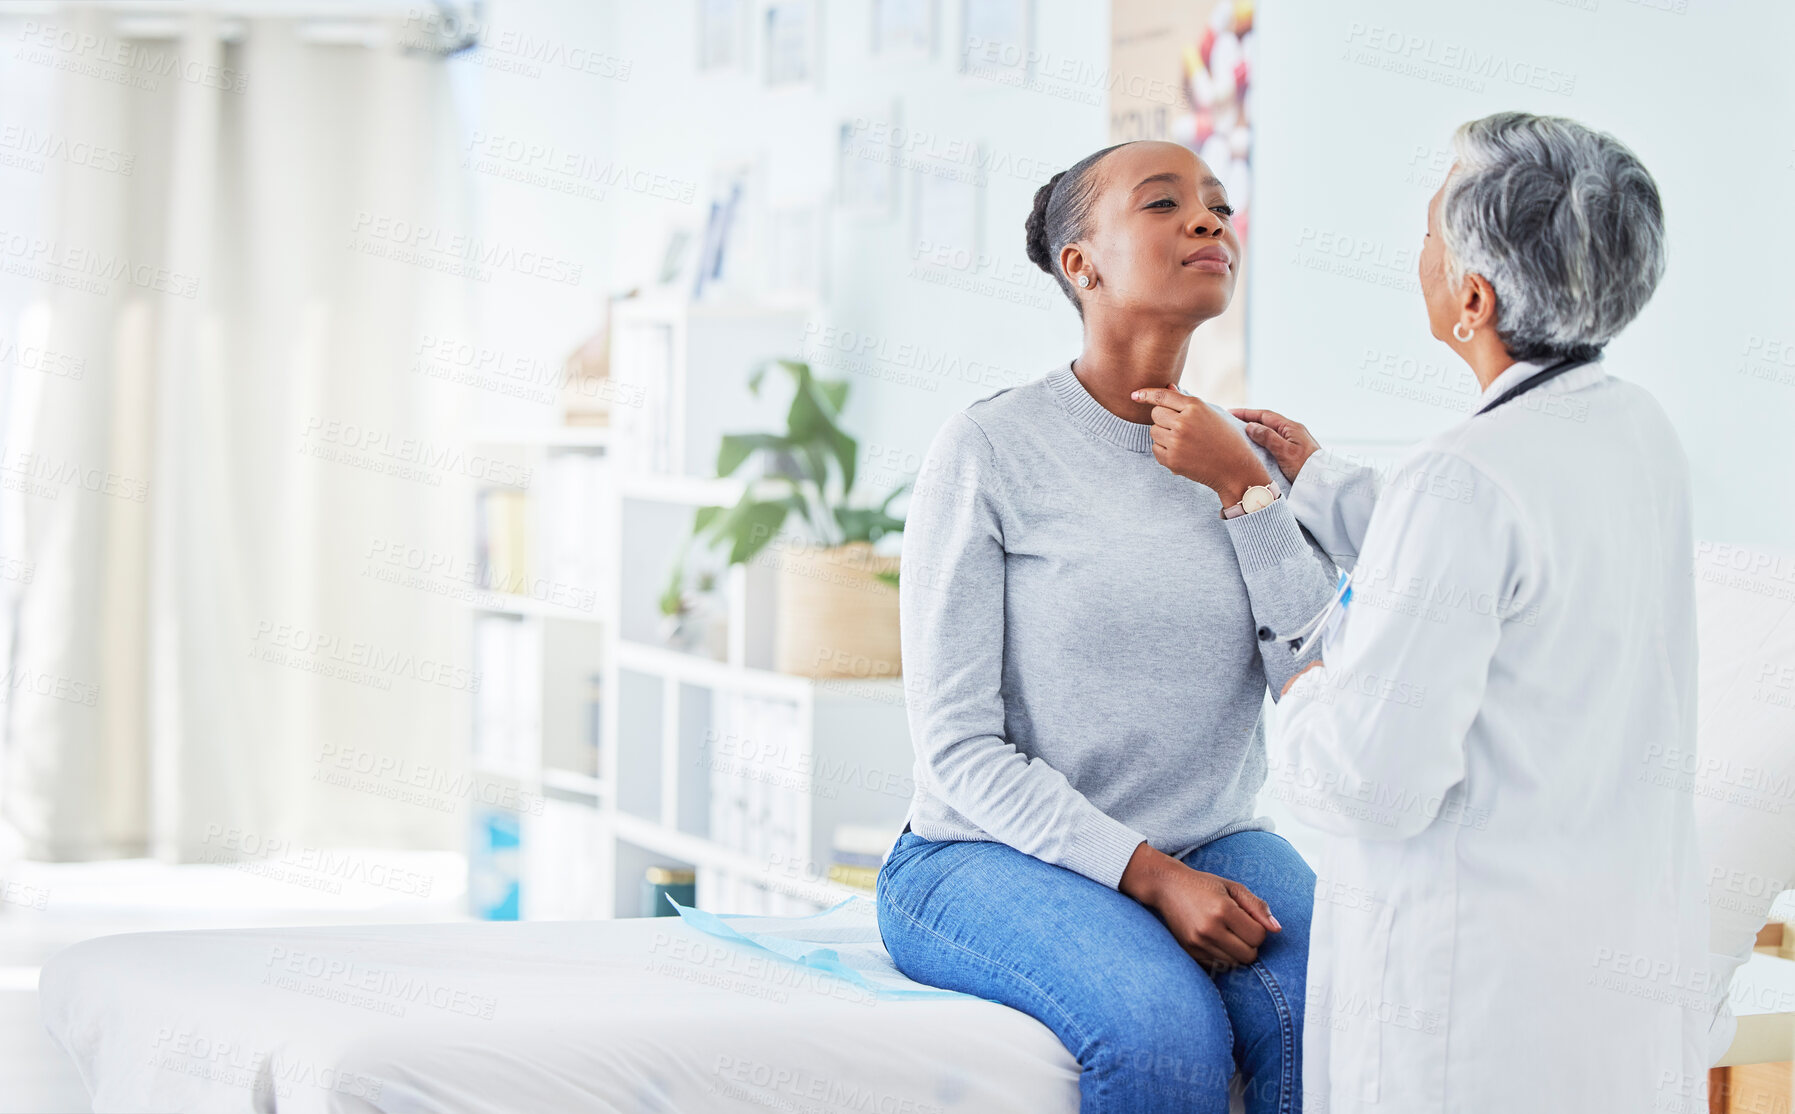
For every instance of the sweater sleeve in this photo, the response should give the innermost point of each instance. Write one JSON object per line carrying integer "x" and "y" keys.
{"x": 951, "y": 610}
{"x": 1289, "y": 578}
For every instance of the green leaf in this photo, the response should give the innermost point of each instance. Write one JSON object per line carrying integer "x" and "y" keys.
{"x": 738, "y": 447}
{"x": 890, "y": 578}
{"x": 817, "y": 465}
{"x": 811, "y": 422}
{"x": 798, "y": 369}
{"x": 834, "y": 393}
{"x": 670, "y": 600}
{"x": 811, "y": 440}
{"x": 756, "y": 525}
{"x": 809, "y": 416}
{"x": 866, "y": 524}
{"x": 748, "y": 526}
{"x": 854, "y": 523}
{"x": 847, "y": 451}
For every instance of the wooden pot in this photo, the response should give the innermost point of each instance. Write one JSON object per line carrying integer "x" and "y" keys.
{"x": 836, "y": 618}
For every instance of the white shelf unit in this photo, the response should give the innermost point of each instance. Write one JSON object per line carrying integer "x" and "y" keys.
{"x": 668, "y": 425}
{"x": 837, "y": 765}
{"x": 537, "y": 650}
{"x": 753, "y": 815}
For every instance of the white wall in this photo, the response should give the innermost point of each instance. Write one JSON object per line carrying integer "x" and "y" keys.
{"x": 674, "y": 121}
{"x": 1355, "y": 127}
{"x": 536, "y": 103}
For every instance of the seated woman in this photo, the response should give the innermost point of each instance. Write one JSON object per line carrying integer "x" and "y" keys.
{"x": 1085, "y": 676}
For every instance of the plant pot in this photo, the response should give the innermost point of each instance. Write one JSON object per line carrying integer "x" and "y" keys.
{"x": 836, "y": 618}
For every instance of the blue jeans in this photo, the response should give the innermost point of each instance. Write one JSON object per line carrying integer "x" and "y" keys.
{"x": 1151, "y": 1030}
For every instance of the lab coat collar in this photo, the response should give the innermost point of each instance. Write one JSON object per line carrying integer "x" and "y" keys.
{"x": 1521, "y": 369}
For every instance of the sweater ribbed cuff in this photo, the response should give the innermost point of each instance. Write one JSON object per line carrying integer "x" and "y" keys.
{"x": 1267, "y": 537}
{"x": 1101, "y": 847}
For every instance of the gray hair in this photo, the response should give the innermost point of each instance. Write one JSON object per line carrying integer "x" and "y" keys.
{"x": 1564, "y": 223}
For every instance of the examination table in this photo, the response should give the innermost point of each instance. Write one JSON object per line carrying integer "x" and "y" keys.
{"x": 643, "y": 1016}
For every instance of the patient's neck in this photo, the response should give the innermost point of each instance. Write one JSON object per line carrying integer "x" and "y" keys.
{"x": 1115, "y": 364}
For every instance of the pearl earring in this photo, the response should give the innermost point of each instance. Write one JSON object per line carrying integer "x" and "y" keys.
{"x": 1084, "y": 280}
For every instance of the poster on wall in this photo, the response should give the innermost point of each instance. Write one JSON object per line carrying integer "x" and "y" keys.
{"x": 866, "y": 165}
{"x": 904, "y": 28}
{"x": 720, "y": 27}
{"x": 790, "y": 43}
{"x": 1182, "y": 72}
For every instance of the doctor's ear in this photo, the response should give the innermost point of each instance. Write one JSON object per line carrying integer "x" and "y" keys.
{"x": 1479, "y": 303}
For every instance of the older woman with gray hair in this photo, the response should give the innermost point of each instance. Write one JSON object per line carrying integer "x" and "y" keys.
{"x": 1508, "y": 912}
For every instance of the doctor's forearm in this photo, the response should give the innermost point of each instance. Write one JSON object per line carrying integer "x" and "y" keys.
{"x": 1333, "y": 499}
{"x": 1288, "y": 581}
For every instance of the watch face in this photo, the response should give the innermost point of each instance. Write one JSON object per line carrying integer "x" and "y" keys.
{"x": 1257, "y": 497}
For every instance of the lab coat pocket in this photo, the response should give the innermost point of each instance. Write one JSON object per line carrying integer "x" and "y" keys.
{"x": 1357, "y": 1013}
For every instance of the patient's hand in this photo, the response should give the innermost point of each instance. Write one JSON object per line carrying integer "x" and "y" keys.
{"x": 1219, "y": 922}
{"x": 1288, "y": 442}
{"x": 1200, "y": 444}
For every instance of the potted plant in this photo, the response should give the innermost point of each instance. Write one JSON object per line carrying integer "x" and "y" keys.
{"x": 837, "y": 603}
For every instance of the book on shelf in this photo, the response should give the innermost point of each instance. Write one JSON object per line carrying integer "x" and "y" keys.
{"x": 642, "y": 362}
{"x": 508, "y": 703}
{"x": 502, "y": 539}
{"x": 861, "y": 878}
{"x": 563, "y": 869}
{"x": 494, "y": 879}
{"x": 572, "y": 531}
{"x": 594, "y": 724}
{"x": 857, "y": 851}
{"x": 759, "y": 790}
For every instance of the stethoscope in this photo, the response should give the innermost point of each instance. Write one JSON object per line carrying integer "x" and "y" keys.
{"x": 1305, "y": 635}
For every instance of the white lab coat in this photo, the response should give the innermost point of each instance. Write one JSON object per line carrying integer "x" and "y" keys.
{"x": 1508, "y": 914}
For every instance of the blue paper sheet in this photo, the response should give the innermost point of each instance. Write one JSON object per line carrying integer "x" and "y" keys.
{"x": 842, "y": 941}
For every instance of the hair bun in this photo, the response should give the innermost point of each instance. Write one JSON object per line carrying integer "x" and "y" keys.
{"x": 1035, "y": 227}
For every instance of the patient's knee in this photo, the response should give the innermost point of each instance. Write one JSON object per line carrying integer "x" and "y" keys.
{"x": 1163, "y": 1044}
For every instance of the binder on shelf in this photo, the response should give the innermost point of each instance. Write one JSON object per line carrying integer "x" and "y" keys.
{"x": 572, "y": 530}
{"x": 494, "y": 636}
{"x": 508, "y": 703}
{"x": 857, "y": 851}
{"x": 493, "y": 868}
{"x": 594, "y": 761}
{"x": 563, "y": 869}
{"x": 642, "y": 361}
{"x": 502, "y": 539}
{"x": 760, "y": 796}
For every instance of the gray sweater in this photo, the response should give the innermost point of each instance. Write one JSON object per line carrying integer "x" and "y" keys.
{"x": 1082, "y": 660}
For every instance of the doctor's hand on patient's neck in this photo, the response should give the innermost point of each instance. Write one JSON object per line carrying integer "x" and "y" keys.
{"x": 1219, "y": 922}
{"x": 1288, "y": 442}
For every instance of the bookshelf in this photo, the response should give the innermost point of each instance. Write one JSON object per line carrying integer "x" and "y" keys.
{"x": 628, "y": 750}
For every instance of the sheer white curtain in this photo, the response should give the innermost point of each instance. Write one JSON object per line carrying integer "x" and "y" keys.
{"x": 191, "y": 623}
